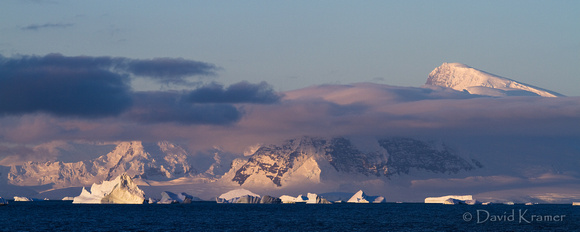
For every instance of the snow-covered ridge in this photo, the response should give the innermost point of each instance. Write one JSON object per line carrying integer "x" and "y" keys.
{"x": 160, "y": 161}
{"x": 310, "y": 160}
{"x": 464, "y": 78}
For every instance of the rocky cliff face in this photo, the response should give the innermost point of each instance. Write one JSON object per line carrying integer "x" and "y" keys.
{"x": 278, "y": 163}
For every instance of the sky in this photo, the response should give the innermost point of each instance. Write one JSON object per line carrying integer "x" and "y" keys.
{"x": 235, "y": 74}
{"x": 296, "y": 44}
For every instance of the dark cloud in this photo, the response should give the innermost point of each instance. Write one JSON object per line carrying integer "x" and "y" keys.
{"x": 40, "y": 84}
{"x": 242, "y": 92}
{"x": 82, "y": 86}
{"x": 36, "y": 27}
{"x": 168, "y": 107}
{"x": 170, "y": 70}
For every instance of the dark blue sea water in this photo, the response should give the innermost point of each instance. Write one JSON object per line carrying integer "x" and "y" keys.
{"x": 209, "y": 216}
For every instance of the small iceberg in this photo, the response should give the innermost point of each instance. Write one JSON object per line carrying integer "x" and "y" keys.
{"x": 68, "y": 198}
{"x": 361, "y": 197}
{"x": 3, "y": 201}
{"x": 313, "y": 198}
{"x": 172, "y": 198}
{"x": 121, "y": 190}
{"x": 576, "y": 203}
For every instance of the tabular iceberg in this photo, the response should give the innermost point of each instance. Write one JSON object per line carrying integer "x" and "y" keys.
{"x": 238, "y": 196}
{"x": 311, "y": 198}
{"x": 361, "y": 197}
{"x": 451, "y": 200}
{"x": 26, "y": 199}
{"x": 243, "y": 196}
{"x": 290, "y": 199}
{"x": 122, "y": 190}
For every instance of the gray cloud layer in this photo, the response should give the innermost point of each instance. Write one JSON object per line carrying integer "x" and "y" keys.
{"x": 36, "y": 27}
{"x": 242, "y": 92}
{"x": 96, "y": 87}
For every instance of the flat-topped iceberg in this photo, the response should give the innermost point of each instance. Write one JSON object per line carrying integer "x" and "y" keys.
{"x": 310, "y": 198}
{"x": 361, "y": 197}
{"x": 451, "y": 200}
{"x": 238, "y": 196}
{"x": 244, "y": 196}
{"x": 121, "y": 190}
{"x": 16, "y": 198}
{"x": 172, "y": 198}
{"x": 290, "y": 199}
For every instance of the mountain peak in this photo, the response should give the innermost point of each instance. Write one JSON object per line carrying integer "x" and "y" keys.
{"x": 465, "y": 78}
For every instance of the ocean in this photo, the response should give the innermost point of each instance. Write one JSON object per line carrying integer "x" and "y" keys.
{"x": 210, "y": 216}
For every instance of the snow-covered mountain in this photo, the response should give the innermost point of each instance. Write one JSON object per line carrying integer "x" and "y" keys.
{"x": 160, "y": 161}
{"x": 464, "y": 78}
{"x": 317, "y": 160}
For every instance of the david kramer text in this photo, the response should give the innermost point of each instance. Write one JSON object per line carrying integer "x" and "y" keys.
{"x": 522, "y": 216}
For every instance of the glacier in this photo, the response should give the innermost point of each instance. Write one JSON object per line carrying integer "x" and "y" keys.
{"x": 121, "y": 190}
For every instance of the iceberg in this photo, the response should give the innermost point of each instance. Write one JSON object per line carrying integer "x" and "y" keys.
{"x": 16, "y": 198}
{"x": 291, "y": 200}
{"x": 121, "y": 190}
{"x": 172, "y": 198}
{"x": 313, "y": 198}
{"x": 68, "y": 198}
{"x": 238, "y": 196}
{"x": 270, "y": 200}
{"x": 575, "y": 203}
{"x": 3, "y": 201}
{"x": 361, "y": 197}
{"x": 451, "y": 199}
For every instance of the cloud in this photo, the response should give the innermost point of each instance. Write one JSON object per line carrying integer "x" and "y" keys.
{"x": 42, "y": 84}
{"x": 167, "y": 107}
{"x": 83, "y": 86}
{"x": 170, "y": 70}
{"x": 241, "y": 92}
{"x": 36, "y": 27}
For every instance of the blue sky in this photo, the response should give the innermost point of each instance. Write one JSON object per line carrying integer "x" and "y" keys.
{"x": 295, "y": 44}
